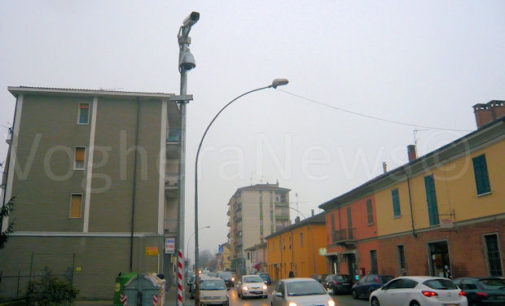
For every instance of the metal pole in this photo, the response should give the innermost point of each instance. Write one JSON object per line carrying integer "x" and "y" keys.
{"x": 182, "y": 184}
{"x": 197, "y": 259}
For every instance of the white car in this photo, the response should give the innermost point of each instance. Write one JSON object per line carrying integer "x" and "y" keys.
{"x": 300, "y": 292}
{"x": 252, "y": 285}
{"x": 213, "y": 291}
{"x": 419, "y": 290}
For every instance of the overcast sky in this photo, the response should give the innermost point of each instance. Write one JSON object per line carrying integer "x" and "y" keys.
{"x": 423, "y": 63}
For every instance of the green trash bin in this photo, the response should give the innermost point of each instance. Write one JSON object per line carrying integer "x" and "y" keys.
{"x": 146, "y": 289}
{"x": 121, "y": 280}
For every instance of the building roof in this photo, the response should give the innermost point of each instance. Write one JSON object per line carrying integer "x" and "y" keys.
{"x": 16, "y": 91}
{"x": 488, "y": 133}
{"x": 317, "y": 219}
{"x": 256, "y": 247}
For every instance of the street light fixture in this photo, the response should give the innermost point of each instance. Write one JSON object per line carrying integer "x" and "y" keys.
{"x": 189, "y": 238}
{"x": 275, "y": 83}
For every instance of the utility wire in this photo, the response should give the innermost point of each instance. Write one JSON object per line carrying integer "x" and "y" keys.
{"x": 370, "y": 116}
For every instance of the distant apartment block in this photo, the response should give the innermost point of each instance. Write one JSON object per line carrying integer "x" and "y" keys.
{"x": 95, "y": 176}
{"x": 255, "y": 212}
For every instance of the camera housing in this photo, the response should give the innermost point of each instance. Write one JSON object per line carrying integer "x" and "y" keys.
{"x": 191, "y": 19}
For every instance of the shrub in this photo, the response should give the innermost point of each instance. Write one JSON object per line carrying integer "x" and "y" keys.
{"x": 50, "y": 290}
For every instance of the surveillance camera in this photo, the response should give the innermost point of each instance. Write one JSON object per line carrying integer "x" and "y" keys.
{"x": 187, "y": 61}
{"x": 191, "y": 19}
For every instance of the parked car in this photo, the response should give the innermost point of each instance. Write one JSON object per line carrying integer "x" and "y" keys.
{"x": 213, "y": 291}
{"x": 300, "y": 291}
{"x": 369, "y": 283}
{"x": 483, "y": 290}
{"x": 252, "y": 285}
{"x": 266, "y": 277}
{"x": 319, "y": 277}
{"x": 419, "y": 290}
{"x": 228, "y": 278}
{"x": 338, "y": 283}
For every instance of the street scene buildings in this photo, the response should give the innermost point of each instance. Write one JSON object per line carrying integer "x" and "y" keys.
{"x": 255, "y": 212}
{"x": 94, "y": 175}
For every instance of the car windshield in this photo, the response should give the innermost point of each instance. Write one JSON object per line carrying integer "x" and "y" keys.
{"x": 440, "y": 284}
{"x": 305, "y": 288}
{"x": 225, "y": 275}
{"x": 263, "y": 275}
{"x": 212, "y": 284}
{"x": 492, "y": 283}
{"x": 213, "y": 274}
{"x": 253, "y": 279}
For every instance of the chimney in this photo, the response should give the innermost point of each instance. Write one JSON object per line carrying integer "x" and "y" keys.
{"x": 297, "y": 219}
{"x": 312, "y": 212}
{"x": 485, "y": 113}
{"x": 411, "y": 149}
{"x": 385, "y": 167}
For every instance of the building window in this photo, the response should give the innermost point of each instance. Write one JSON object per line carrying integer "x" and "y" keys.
{"x": 493, "y": 255}
{"x": 349, "y": 224}
{"x": 373, "y": 261}
{"x": 369, "y": 211}
{"x": 401, "y": 256}
{"x": 396, "y": 202}
{"x": 75, "y": 206}
{"x": 301, "y": 239}
{"x": 83, "y": 117}
{"x": 80, "y": 153}
{"x": 481, "y": 175}
{"x": 431, "y": 199}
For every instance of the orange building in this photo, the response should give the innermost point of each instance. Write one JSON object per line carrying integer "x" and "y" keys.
{"x": 297, "y": 248}
{"x": 351, "y": 226}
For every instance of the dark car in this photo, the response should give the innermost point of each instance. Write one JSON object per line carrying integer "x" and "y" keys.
{"x": 369, "y": 283}
{"x": 483, "y": 290}
{"x": 228, "y": 278}
{"x": 266, "y": 277}
{"x": 338, "y": 283}
{"x": 319, "y": 277}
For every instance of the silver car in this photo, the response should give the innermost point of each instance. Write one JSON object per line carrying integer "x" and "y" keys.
{"x": 300, "y": 292}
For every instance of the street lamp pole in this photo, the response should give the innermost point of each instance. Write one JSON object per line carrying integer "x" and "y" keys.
{"x": 186, "y": 63}
{"x": 275, "y": 83}
{"x": 189, "y": 238}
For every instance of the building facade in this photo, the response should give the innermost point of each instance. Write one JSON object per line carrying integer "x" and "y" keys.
{"x": 297, "y": 248}
{"x": 94, "y": 175}
{"x": 255, "y": 212}
{"x": 223, "y": 257}
{"x": 256, "y": 258}
{"x": 441, "y": 214}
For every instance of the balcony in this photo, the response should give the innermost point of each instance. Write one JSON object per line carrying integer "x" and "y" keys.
{"x": 344, "y": 237}
{"x": 173, "y": 136}
{"x": 282, "y": 217}
{"x": 171, "y": 182}
{"x": 281, "y": 204}
{"x": 237, "y": 218}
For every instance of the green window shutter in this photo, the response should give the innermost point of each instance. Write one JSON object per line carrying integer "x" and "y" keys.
{"x": 431, "y": 199}
{"x": 396, "y": 202}
{"x": 369, "y": 211}
{"x": 481, "y": 175}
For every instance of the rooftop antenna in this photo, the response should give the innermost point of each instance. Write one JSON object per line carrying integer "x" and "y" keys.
{"x": 415, "y": 134}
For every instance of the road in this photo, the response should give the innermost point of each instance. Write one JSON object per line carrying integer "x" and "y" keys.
{"x": 340, "y": 300}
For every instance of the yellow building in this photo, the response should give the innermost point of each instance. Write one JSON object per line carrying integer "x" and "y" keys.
{"x": 223, "y": 257}
{"x": 296, "y": 248}
{"x": 443, "y": 214}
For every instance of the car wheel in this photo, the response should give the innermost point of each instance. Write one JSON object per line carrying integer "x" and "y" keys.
{"x": 375, "y": 302}
{"x": 354, "y": 294}
{"x": 414, "y": 303}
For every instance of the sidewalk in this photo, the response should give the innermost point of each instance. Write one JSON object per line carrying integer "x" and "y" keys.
{"x": 171, "y": 298}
